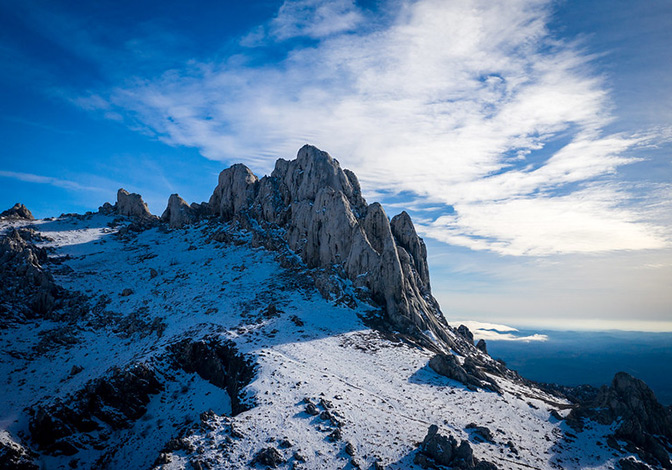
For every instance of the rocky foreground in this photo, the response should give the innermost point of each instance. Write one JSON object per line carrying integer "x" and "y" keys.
{"x": 284, "y": 323}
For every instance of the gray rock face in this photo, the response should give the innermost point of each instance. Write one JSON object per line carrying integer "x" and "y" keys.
{"x": 438, "y": 451}
{"x": 406, "y": 237}
{"x": 18, "y": 211}
{"x": 466, "y": 333}
{"x": 26, "y": 288}
{"x": 644, "y": 422}
{"x": 235, "y": 191}
{"x": 131, "y": 205}
{"x": 178, "y": 213}
{"x": 329, "y": 225}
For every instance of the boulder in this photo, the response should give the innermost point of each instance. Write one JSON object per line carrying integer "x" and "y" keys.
{"x": 268, "y": 456}
{"x": 131, "y": 205}
{"x": 438, "y": 450}
{"x": 469, "y": 373}
{"x": 178, "y": 213}
{"x": 17, "y": 211}
{"x": 235, "y": 191}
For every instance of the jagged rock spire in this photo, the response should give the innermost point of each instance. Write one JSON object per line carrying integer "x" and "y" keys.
{"x": 328, "y": 223}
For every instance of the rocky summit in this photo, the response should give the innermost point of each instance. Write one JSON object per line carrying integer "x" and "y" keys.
{"x": 283, "y": 323}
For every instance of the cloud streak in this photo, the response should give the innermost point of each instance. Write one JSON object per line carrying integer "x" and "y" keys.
{"x": 473, "y": 106}
{"x": 50, "y": 180}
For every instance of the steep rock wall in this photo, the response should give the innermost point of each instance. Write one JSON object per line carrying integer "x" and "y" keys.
{"x": 328, "y": 223}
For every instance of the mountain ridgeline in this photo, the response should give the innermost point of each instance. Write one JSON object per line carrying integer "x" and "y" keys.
{"x": 284, "y": 323}
{"x": 320, "y": 211}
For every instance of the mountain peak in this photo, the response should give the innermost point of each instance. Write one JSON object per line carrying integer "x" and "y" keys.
{"x": 319, "y": 209}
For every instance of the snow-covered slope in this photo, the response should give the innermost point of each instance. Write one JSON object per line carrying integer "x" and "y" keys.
{"x": 325, "y": 390}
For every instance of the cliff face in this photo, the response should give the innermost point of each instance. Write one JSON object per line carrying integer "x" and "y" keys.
{"x": 328, "y": 223}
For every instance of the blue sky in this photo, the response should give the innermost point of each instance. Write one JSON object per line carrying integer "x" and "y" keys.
{"x": 530, "y": 140}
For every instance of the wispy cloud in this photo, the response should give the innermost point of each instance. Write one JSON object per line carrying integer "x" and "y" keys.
{"x": 315, "y": 18}
{"x": 59, "y": 182}
{"x": 471, "y": 105}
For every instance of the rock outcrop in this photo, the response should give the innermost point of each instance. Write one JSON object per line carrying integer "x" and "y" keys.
{"x": 644, "y": 422}
{"x": 438, "y": 451}
{"x": 326, "y": 221}
{"x": 178, "y": 213}
{"x": 16, "y": 456}
{"x": 112, "y": 402}
{"x": 26, "y": 288}
{"x": 131, "y": 205}
{"x": 18, "y": 211}
{"x": 218, "y": 362}
{"x": 469, "y": 373}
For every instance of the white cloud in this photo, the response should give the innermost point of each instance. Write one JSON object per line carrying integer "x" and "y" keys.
{"x": 315, "y": 18}
{"x": 457, "y": 102}
{"x": 497, "y": 332}
{"x": 59, "y": 182}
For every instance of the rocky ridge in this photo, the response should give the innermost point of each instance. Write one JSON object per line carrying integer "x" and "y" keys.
{"x": 324, "y": 219}
{"x": 261, "y": 348}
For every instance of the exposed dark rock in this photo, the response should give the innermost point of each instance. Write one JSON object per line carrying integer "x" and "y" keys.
{"x": 117, "y": 401}
{"x": 481, "y": 346}
{"x": 218, "y": 362}
{"x": 466, "y": 333}
{"x": 27, "y": 290}
{"x": 17, "y": 211}
{"x": 480, "y": 433}
{"x": 15, "y": 456}
{"x": 644, "y": 422}
{"x": 577, "y": 394}
{"x": 349, "y": 449}
{"x": 632, "y": 464}
{"x": 106, "y": 209}
{"x": 336, "y": 435}
{"x": 512, "y": 447}
{"x": 439, "y": 450}
{"x": 311, "y": 409}
{"x": 268, "y": 456}
{"x": 469, "y": 373}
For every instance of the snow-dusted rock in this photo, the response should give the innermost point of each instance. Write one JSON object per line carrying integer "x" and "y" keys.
{"x": 17, "y": 211}
{"x": 329, "y": 225}
{"x": 235, "y": 191}
{"x": 406, "y": 237}
{"x": 15, "y": 456}
{"x": 228, "y": 327}
{"x": 178, "y": 213}
{"x": 131, "y": 204}
{"x": 642, "y": 420}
